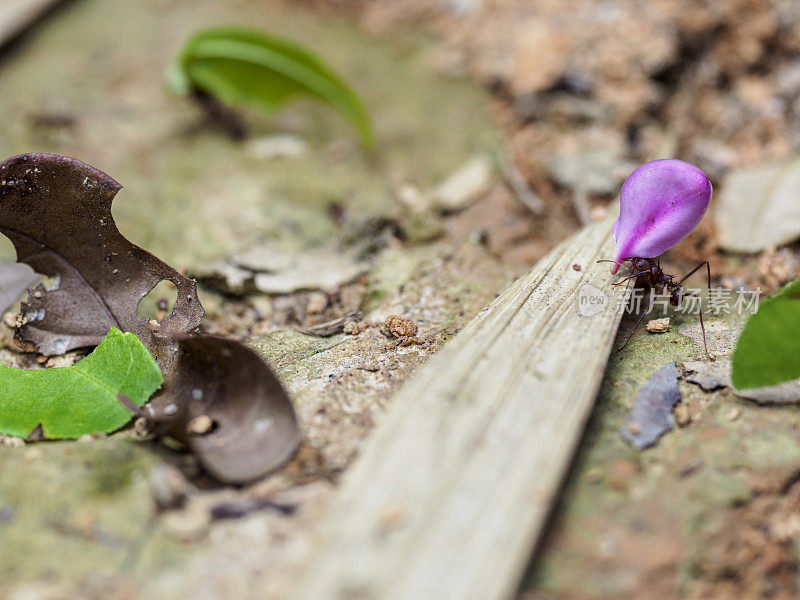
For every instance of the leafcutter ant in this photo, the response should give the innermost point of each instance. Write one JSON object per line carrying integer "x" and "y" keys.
{"x": 651, "y": 276}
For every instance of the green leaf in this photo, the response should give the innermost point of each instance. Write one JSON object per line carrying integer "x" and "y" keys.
{"x": 71, "y": 401}
{"x": 768, "y": 351}
{"x": 240, "y": 66}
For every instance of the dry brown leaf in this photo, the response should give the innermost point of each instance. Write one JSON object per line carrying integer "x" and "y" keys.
{"x": 57, "y": 212}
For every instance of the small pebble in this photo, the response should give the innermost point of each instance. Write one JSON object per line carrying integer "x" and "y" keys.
{"x": 658, "y": 325}
{"x": 263, "y": 306}
{"x": 317, "y": 302}
{"x": 681, "y": 413}
{"x": 199, "y": 425}
{"x": 189, "y": 524}
{"x": 634, "y": 428}
{"x": 734, "y": 414}
{"x": 62, "y": 360}
{"x": 11, "y": 441}
{"x": 141, "y": 428}
{"x": 621, "y": 473}
{"x": 168, "y": 486}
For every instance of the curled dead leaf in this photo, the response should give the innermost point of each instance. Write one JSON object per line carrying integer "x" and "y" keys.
{"x": 57, "y": 213}
{"x": 252, "y": 427}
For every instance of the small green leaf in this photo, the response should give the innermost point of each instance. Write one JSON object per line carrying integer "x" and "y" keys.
{"x": 240, "y": 66}
{"x": 71, "y": 401}
{"x": 768, "y": 351}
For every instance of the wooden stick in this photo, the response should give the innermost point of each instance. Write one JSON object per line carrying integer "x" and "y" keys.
{"x": 17, "y": 15}
{"x": 453, "y": 489}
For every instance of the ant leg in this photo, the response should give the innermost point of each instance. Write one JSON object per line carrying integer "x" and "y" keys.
{"x": 630, "y": 335}
{"x": 702, "y": 325}
{"x": 695, "y": 270}
{"x": 703, "y": 329}
{"x": 639, "y": 322}
{"x": 700, "y": 308}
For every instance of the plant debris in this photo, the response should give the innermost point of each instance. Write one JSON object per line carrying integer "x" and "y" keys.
{"x": 464, "y": 186}
{"x": 651, "y": 415}
{"x": 242, "y": 508}
{"x": 57, "y": 213}
{"x": 270, "y": 270}
{"x": 709, "y": 375}
{"x": 787, "y": 392}
{"x": 347, "y": 324}
{"x": 249, "y": 424}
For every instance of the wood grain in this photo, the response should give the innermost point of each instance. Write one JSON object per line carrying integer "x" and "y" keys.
{"x": 453, "y": 489}
{"x": 17, "y": 15}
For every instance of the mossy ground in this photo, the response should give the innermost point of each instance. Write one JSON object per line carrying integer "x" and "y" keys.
{"x": 665, "y": 522}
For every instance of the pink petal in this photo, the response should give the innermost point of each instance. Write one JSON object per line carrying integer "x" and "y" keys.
{"x": 661, "y": 203}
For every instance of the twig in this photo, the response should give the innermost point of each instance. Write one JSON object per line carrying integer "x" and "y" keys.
{"x": 453, "y": 489}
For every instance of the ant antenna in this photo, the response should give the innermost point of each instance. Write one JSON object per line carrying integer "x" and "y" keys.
{"x": 612, "y": 261}
{"x": 621, "y": 281}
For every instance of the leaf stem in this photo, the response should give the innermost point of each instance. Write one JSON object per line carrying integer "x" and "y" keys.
{"x": 226, "y": 117}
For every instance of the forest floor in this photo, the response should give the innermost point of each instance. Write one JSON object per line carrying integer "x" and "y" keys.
{"x": 543, "y": 115}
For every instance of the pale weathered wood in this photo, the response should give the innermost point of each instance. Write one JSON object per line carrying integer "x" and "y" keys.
{"x": 18, "y": 15}
{"x": 454, "y": 487}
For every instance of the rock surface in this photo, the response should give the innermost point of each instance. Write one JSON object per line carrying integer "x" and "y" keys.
{"x": 759, "y": 207}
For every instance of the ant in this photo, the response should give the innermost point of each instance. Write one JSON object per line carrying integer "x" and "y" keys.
{"x": 654, "y": 278}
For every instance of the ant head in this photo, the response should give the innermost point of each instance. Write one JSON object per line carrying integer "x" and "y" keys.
{"x": 640, "y": 264}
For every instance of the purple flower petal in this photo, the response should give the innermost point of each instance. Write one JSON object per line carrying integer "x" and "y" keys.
{"x": 661, "y": 202}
